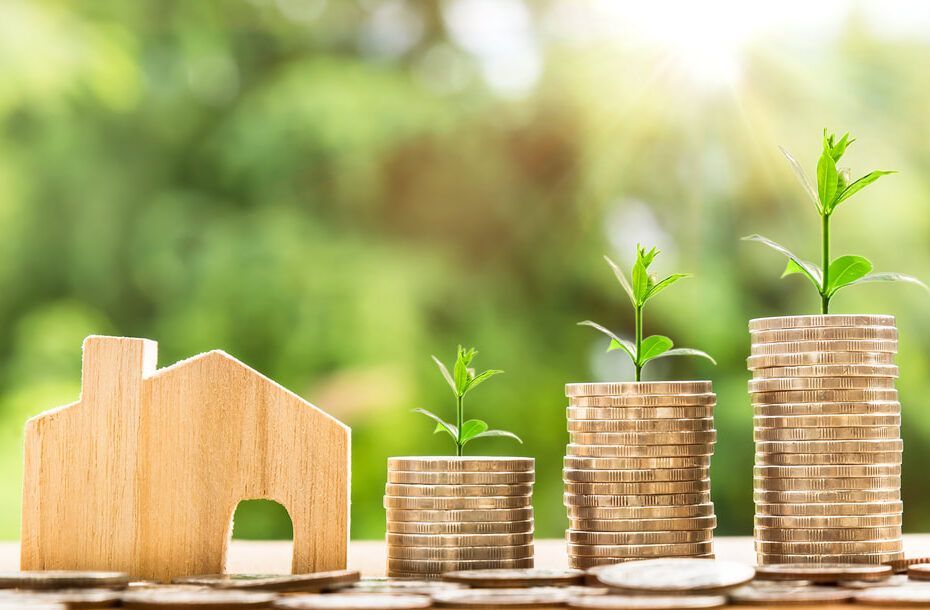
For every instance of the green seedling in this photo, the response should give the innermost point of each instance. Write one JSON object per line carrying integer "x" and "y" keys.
{"x": 833, "y": 188}
{"x": 463, "y": 380}
{"x": 641, "y": 287}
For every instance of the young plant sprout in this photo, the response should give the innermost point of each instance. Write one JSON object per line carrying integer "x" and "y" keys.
{"x": 463, "y": 380}
{"x": 833, "y": 188}
{"x": 641, "y": 287}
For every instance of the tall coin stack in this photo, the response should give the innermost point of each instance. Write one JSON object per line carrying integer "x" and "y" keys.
{"x": 636, "y": 471}
{"x": 458, "y": 513}
{"x": 827, "y": 427}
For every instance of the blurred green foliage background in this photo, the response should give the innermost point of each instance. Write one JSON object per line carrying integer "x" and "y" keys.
{"x": 333, "y": 191}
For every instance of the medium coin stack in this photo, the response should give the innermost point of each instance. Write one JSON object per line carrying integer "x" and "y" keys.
{"x": 827, "y": 428}
{"x": 636, "y": 471}
{"x": 458, "y": 513}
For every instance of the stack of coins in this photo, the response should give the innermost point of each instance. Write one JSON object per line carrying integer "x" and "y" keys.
{"x": 636, "y": 471}
{"x": 458, "y": 513}
{"x": 827, "y": 477}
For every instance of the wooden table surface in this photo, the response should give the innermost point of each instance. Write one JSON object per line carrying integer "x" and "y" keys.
{"x": 368, "y": 555}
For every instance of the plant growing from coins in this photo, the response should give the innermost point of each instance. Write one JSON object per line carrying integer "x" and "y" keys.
{"x": 641, "y": 287}
{"x": 833, "y": 188}
{"x": 463, "y": 379}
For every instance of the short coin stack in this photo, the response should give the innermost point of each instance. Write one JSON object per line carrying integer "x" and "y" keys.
{"x": 458, "y": 513}
{"x": 827, "y": 479}
{"x": 636, "y": 471}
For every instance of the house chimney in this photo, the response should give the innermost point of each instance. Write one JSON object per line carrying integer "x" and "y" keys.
{"x": 113, "y": 368}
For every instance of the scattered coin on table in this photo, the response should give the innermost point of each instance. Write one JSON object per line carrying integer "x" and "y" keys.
{"x": 165, "y": 598}
{"x": 399, "y": 586}
{"x": 684, "y": 575}
{"x": 62, "y": 579}
{"x": 311, "y": 582}
{"x": 340, "y": 601}
{"x": 648, "y": 602}
{"x": 789, "y": 595}
{"x": 73, "y": 599}
{"x": 532, "y": 597}
{"x": 823, "y": 572}
{"x": 914, "y": 594}
{"x": 538, "y": 577}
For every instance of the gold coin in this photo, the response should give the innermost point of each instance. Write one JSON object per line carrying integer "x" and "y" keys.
{"x": 851, "y": 395}
{"x": 865, "y": 433}
{"x": 901, "y": 564}
{"x": 467, "y": 527}
{"x": 827, "y": 459}
{"x": 636, "y": 451}
{"x": 652, "y": 487}
{"x": 511, "y": 514}
{"x": 460, "y": 478}
{"x": 843, "y": 333}
{"x": 826, "y": 421}
{"x": 458, "y": 491}
{"x": 422, "y": 566}
{"x": 637, "y": 387}
{"x": 642, "y": 401}
{"x": 784, "y": 594}
{"x": 830, "y": 509}
{"x": 635, "y": 463}
{"x": 644, "y": 525}
{"x": 756, "y": 363}
{"x": 605, "y": 501}
{"x": 633, "y": 476}
{"x": 804, "y": 472}
{"x": 641, "y": 551}
{"x": 461, "y": 464}
{"x": 779, "y": 534}
{"x": 821, "y": 320}
{"x": 825, "y": 573}
{"x": 784, "y": 384}
{"x": 796, "y": 347}
{"x": 487, "y": 502}
{"x": 640, "y": 512}
{"x": 638, "y": 413}
{"x": 829, "y": 496}
{"x": 643, "y": 438}
{"x": 303, "y": 583}
{"x": 459, "y": 540}
{"x": 591, "y": 563}
{"x": 63, "y": 579}
{"x": 647, "y": 425}
{"x": 816, "y": 548}
{"x": 908, "y": 596}
{"x": 918, "y": 571}
{"x": 827, "y": 484}
{"x": 878, "y": 407}
{"x": 531, "y": 577}
{"x": 870, "y": 558}
{"x": 636, "y": 538}
{"x": 847, "y": 446}
{"x": 827, "y": 370}
{"x": 857, "y": 521}
{"x": 460, "y": 553}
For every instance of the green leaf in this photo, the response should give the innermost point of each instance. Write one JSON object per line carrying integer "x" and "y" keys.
{"x": 462, "y": 375}
{"x": 846, "y": 270}
{"x": 826, "y": 181}
{"x": 793, "y": 268}
{"x": 654, "y": 346}
{"x": 615, "y": 341}
{"x": 471, "y": 429}
{"x": 686, "y": 351}
{"x": 445, "y": 373}
{"x": 810, "y": 270}
{"x": 489, "y": 433}
{"x": 802, "y": 177}
{"x": 441, "y": 424}
{"x": 858, "y": 185}
{"x": 665, "y": 283}
{"x": 646, "y": 256}
{"x": 889, "y": 276}
{"x": 622, "y": 279}
{"x": 478, "y": 379}
{"x": 837, "y": 150}
{"x": 642, "y": 283}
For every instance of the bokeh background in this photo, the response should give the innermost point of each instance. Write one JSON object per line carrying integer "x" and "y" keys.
{"x": 331, "y": 191}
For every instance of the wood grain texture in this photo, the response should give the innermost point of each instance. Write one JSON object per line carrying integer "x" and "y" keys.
{"x": 143, "y": 474}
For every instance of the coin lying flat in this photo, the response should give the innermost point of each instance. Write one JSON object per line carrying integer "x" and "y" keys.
{"x": 636, "y": 538}
{"x": 461, "y": 553}
{"x": 469, "y": 464}
{"x": 827, "y": 459}
{"x": 458, "y": 540}
{"x": 464, "y": 528}
{"x": 690, "y": 424}
{"x": 819, "y": 358}
{"x": 896, "y": 580}
{"x": 707, "y": 399}
{"x": 354, "y": 601}
{"x": 853, "y": 557}
{"x": 798, "y": 509}
{"x": 828, "y": 434}
{"x": 676, "y": 576}
{"x": 823, "y": 484}
{"x": 847, "y": 333}
{"x": 652, "y": 487}
{"x": 457, "y": 491}
{"x": 705, "y": 509}
{"x": 827, "y": 345}
{"x": 846, "y": 471}
{"x": 640, "y": 551}
{"x": 628, "y": 413}
{"x": 918, "y": 571}
{"x": 820, "y": 320}
{"x": 460, "y": 478}
{"x": 626, "y": 501}
{"x": 848, "y": 395}
{"x": 784, "y": 384}
{"x": 900, "y": 564}
{"x": 832, "y": 522}
{"x": 634, "y": 476}
{"x": 316, "y": 581}
{"x": 427, "y": 566}
{"x": 875, "y": 407}
{"x": 62, "y": 579}
{"x": 637, "y": 387}
{"x": 826, "y": 497}
{"x": 398, "y": 586}
{"x": 644, "y": 525}
{"x": 459, "y": 516}
{"x": 591, "y": 564}
{"x": 531, "y": 577}
{"x": 848, "y": 446}
{"x": 903, "y": 596}
{"x": 828, "y": 370}
{"x": 602, "y": 451}
{"x": 647, "y": 602}
{"x": 22, "y": 599}
{"x": 753, "y": 595}
{"x": 534, "y": 597}
{"x": 824, "y": 573}
{"x": 852, "y": 534}
{"x": 827, "y": 421}
{"x": 633, "y": 463}
{"x": 486, "y": 502}
{"x": 157, "y": 598}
